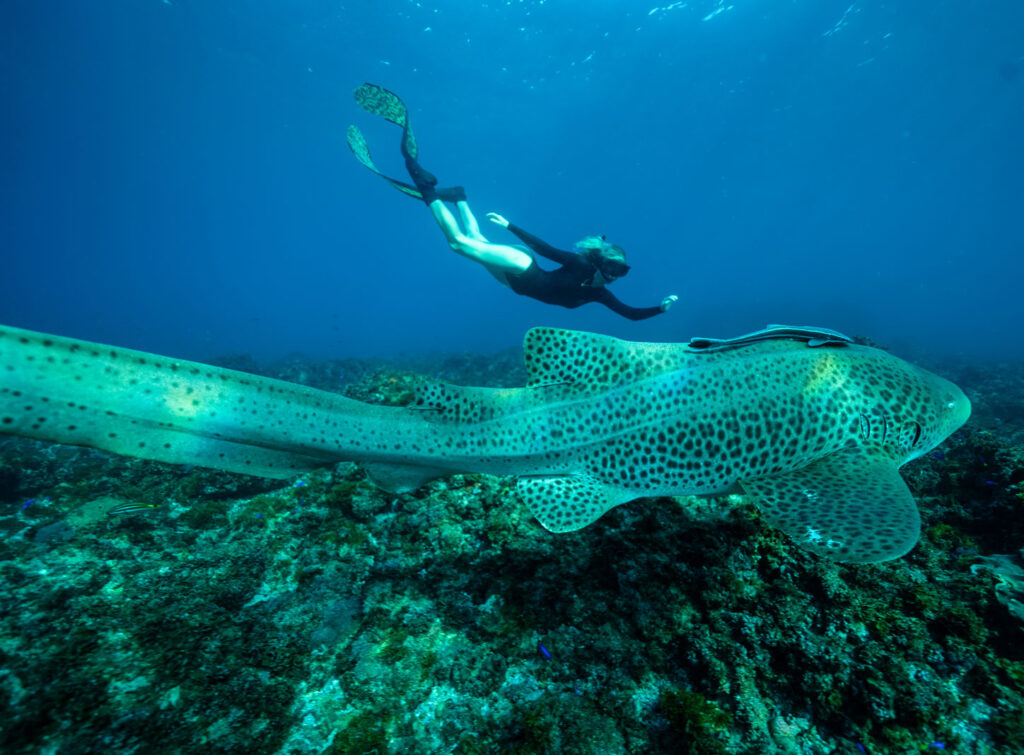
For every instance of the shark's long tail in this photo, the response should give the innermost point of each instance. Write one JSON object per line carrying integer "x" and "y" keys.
{"x": 137, "y": 404}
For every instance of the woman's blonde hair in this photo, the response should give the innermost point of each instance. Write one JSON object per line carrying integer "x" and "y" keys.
{"x": 595, "y": 247}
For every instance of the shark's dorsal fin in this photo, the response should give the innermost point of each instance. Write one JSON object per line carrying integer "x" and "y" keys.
{"x": 441, "y": 401}
{"x": 851, "y": 505}
{"x": 592, "y": 363}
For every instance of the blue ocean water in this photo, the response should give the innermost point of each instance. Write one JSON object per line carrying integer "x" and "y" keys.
{"x": 175, "y": 176}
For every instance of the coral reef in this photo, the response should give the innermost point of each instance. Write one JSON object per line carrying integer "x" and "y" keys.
{"x": 156, "y": 609}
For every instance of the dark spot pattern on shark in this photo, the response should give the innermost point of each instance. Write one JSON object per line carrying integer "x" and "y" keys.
{"x": 811, "y": 426}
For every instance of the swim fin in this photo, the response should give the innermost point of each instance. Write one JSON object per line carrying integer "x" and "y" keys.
{"x": 357, "y": 143}
{"x": 383, "y": 102}
{"x": 380, "y": 101}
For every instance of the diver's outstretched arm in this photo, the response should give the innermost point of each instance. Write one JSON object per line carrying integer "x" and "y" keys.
{"x": 606, "y": 297}
{"x": 538, "y": 245}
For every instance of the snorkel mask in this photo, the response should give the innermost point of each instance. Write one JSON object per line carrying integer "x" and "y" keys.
{"x": 609, "y": 259}
{"x": 610, "y": 267}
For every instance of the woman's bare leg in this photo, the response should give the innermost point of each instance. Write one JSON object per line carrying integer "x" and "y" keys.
{"x": 499, "y": 259}
{"x": 472, "y": 244}
{"x": 468, "y": 220}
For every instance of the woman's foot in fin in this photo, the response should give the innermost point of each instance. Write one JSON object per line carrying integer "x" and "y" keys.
{"x": 420, "y": 175}
{"x": 424, "y": 180}
{"x": 409, "y": 148}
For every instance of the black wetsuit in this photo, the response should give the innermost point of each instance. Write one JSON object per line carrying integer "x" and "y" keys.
{"x": 568, "y": 286}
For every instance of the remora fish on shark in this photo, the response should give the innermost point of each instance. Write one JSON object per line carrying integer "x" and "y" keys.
{"x": 810, "y": 425}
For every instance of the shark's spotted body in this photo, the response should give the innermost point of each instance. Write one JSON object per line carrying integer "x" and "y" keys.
{"x": 811, "y": 426}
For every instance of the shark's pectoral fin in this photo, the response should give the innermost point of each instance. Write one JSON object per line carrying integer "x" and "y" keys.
{"x": 569, "y": 502}
{"x": 851, "y": 506}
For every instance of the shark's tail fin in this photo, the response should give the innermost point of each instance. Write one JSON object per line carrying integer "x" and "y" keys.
{"x": 132, "y": 403}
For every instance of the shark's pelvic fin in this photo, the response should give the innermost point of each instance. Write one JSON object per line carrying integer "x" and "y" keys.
{"x": 850, "y": 506}
{"x": 400, "y": 478}
{"x": 566, "y": 503}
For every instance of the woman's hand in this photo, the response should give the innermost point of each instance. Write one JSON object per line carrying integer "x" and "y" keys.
{"x": 668, "y": 301}
{"x": 496, "y": 218}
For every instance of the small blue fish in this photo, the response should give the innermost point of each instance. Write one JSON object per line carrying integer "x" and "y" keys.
{"x": 544, "y": 650}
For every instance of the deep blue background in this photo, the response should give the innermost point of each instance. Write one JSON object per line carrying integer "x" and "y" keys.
{"x": 175, "y": 176}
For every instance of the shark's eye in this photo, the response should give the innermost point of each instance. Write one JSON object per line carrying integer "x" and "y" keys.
{"x": 910, "y": 434}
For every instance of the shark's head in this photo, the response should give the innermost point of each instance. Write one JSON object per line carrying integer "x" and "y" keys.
{"x": 951, "y": 409}
{"x": 929, "y": 411}
{"x": 851, "y": 504}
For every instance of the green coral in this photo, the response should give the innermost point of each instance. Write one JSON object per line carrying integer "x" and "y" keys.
{"x": 696, "y": 724}
{"x": 365, "y": 733}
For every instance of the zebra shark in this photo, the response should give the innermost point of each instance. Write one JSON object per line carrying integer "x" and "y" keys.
{"x": 808, "y": 424}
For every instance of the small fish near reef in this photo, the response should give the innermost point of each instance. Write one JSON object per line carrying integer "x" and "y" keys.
{"x": 132, "y": 509}
{"x": 810, "y": 425}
